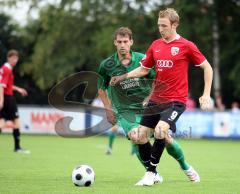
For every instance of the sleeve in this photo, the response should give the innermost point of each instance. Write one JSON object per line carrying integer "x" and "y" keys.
{"x": 196, "y": 57}
{"x": 103, "y": 78}
{"x": 151, "y": 73}
{"x": 4, "y": 76}
{"x": 148, "y": 61}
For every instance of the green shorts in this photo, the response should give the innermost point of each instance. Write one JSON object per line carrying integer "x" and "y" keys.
{"x": 128, "y": 121}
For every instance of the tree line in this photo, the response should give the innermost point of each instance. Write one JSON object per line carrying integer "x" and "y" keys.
{"x": 75, "y": 35}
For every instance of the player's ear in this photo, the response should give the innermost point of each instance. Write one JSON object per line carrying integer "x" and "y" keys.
{"x": 175, "y": 25}
{"x": 131, "y": 42}
{"x": 115, "y": 42}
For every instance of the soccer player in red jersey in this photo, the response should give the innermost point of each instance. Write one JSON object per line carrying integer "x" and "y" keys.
{"x": 8, "y": 107}
{"x": 170, "y": 56}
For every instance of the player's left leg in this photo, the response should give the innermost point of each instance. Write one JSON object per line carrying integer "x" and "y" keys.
{"x": 111, "y": 137}
{"x": 134, "y": 149}
{"x": 175, "y": 150}
{"x": 2, "y": 124}
{"x": 16, "y": 136}
{"x": 2, "y": 120}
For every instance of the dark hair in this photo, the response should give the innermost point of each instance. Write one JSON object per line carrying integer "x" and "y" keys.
{"x": 123, "y": 31}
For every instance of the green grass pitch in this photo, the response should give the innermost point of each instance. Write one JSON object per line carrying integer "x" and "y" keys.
{"x": 48, "y": 168}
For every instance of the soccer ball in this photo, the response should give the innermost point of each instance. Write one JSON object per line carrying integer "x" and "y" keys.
{"x": 83, "y": 176}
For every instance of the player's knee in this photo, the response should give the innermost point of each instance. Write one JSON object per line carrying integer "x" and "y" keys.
{"x": 137, "y": 141}
{"x": 160, "y": 133}
{"x": 16, "y": 123}
{"x": 161, "y": 130}
{"x": 2, "y": 123}
{"x": 133, "y": 135}
{"x": 137, "y": 137}
{"x": 143, "y": 140}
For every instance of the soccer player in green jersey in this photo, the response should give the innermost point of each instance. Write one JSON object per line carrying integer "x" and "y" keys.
{"x": 124, "y": 102}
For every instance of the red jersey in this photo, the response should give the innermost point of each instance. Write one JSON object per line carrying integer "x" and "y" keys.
{"x": 171, "y": 62}
{"x": 7, "y": 79}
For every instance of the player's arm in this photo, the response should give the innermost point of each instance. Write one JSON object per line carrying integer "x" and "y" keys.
{"x": 1, "y": 97}
{"x": 20, "y": 90}
{"x": 104, "y": 97}
{"x": 196, "y": 56}
{"x": 103, "y": 85}
{"x": 205, "y": 99}
{"x": 138, "y": 72}
{"x": 151, "y": 76}
{"x": 108, "y": 106}
{"x": 4, "y": 76}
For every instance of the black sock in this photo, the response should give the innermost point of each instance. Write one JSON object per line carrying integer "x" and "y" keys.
{"x": 157, "y": 150}
{"x": 145, "y": 153}
{"x": 0, "y": 130}
{"x": 16, "y": 137}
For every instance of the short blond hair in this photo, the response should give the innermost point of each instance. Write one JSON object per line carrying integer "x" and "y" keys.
{"x": 171, "y": 14}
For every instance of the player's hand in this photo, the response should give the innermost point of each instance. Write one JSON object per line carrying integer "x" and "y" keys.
{"x": 205, "y": 102}
{"x": 116, "y": 79}
{"x": 22, "y": 91}
{"x": 111, "y": 117}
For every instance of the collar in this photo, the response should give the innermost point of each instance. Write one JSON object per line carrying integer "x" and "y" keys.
{"x": 8, "y": 65}
{"x": 133, "y": 56}
{"x": 177, "y": 37}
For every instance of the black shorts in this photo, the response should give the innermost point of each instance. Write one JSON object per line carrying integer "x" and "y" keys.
{"x": 169, "y": 112}
{"x": 9, "y": 110}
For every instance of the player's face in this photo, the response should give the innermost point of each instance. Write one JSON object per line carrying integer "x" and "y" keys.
{"x": 123, "y": 44}
{"x": 13, "y": 60}
{"x": 166, "y": 29}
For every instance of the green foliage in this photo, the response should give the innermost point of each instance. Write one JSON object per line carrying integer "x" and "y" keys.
{"x": 76, "y": 35}
{"x": 8, "y": 36}
{"x": 229, "y": 25}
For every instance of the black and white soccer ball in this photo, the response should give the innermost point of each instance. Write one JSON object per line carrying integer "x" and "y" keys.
{"x": 83, "y": 176}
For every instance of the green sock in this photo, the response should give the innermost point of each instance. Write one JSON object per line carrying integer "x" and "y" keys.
{"x": 134, "y": 149}
{"x": 176, "y": 152}
{"x": 111, "y": 137}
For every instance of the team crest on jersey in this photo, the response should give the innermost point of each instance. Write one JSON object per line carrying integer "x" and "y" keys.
{"x": 174, "y": 50}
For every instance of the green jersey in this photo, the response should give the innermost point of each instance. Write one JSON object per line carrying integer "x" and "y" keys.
{"x": 129, "y": 94}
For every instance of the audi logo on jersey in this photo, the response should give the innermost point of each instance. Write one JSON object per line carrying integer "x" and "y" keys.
{"x": 164, "y": 63}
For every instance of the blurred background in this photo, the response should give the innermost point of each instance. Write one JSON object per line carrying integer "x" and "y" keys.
{"x": 57, "y": 38}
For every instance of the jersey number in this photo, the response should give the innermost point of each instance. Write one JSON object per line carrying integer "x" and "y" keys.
{"x": 173, "y": 115}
